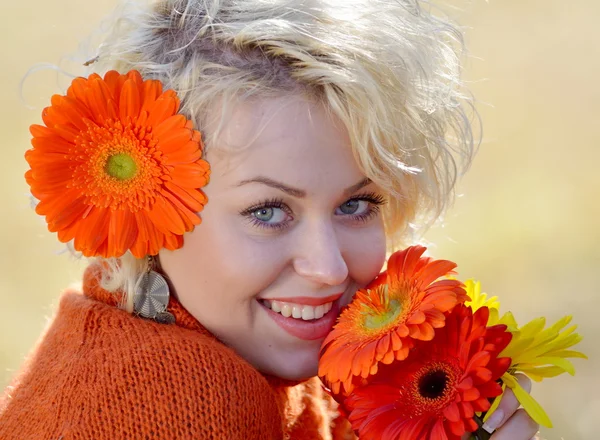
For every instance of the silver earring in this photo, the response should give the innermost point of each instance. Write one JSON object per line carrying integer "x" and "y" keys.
{"x": 152, "y": 296}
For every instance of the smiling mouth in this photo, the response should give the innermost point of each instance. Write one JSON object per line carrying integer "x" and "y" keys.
{"x": 303, "y": 321}
{"x": 297, "y": 311}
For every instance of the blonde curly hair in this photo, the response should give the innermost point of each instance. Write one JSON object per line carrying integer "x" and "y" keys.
{"x": 388, "y": 69}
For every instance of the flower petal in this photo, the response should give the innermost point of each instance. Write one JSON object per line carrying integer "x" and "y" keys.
{"x": 534, "y": 409}
{"x": 129, "y": 102}
{"x": 117, "y": 118}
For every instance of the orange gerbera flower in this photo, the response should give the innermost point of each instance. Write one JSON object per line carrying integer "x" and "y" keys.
{"x": 435, "y": 393}
{"x": 405, "y": 303}
{"x": 116, "y": 168}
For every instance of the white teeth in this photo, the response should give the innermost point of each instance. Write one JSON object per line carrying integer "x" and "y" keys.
{"x": 298, "y": 311}
{"x": 308, "y": 313}
{"x": 286, "y": 310}
{"x": 319, "y": 312}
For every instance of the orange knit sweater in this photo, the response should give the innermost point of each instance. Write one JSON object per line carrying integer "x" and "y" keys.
{"x": 101, "y": 373}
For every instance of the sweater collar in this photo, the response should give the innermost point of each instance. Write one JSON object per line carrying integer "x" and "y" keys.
{"x": 92, "y": 289}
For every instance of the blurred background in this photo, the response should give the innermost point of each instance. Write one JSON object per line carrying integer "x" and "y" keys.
{"x": 526, "y": 222}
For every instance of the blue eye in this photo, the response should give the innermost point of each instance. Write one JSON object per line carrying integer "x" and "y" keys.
{"x": 276, "y": 215}
{"x": 353, "y": 207}
{"x": 361, "y": 208}
{"x": 263, "y": 214}
{"x": 268, "y": 213}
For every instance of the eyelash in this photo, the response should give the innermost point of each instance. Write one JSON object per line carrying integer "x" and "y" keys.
{"x": 270, "y": 203}
{"x": 375, "y": 201}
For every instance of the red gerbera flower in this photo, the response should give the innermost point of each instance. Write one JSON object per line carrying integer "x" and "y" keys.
{"x": 434, "y": 394}
{"x": 116, "y": 168}
{"x": 403, "y": 304}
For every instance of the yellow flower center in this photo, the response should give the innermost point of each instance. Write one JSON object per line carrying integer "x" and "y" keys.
{"x": 384, "y": 317}
{"x": 121, "y": 166}
{"x": 118, "y": 167}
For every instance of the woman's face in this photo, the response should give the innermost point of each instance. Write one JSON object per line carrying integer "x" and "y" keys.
{"x": 291, "y": 227}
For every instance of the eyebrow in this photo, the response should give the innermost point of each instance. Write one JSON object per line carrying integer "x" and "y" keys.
{"x": 296, "y": 192}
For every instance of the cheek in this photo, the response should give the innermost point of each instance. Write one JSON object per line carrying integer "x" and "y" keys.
{"x": 220, "y": 263}
{"x": 365, "y": 254}
{"x": 218, "y": 274}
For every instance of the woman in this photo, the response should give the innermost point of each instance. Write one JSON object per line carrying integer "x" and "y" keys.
{"x": 326, "y": 126}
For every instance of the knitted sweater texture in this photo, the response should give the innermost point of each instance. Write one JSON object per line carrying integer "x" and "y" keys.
{"x": 101, "y": 373}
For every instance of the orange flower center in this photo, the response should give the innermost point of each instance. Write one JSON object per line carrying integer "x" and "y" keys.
{"x": 118, "y": 167}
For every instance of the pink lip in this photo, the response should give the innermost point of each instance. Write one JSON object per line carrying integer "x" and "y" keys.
{"x": 309, "y": 300}
{"x": 307, "y": 330}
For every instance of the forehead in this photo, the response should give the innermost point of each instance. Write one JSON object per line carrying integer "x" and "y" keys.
{"x": 290, "y": 138}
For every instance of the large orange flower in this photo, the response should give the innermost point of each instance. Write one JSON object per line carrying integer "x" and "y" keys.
{"x": 435, "y": 393}
{"x": 116, "y": 168}
{"x": 405, "y": 303}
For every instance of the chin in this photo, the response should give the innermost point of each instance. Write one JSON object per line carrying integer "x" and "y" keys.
{"x": 296, "y": 374}
{"x": 299, "y": 375}
{"x": 295, "y": 367}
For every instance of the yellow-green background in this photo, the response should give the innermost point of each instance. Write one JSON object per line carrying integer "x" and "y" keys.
{"x": 526, "y": 223}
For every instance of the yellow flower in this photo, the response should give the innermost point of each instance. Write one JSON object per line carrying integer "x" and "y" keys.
{"x": 479, "y": 299}
{"x": 538, "y": 353}
{"x": 534, "y": 351}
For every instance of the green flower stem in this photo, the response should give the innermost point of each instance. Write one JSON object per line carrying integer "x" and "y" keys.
{"x": 480, "y": 434}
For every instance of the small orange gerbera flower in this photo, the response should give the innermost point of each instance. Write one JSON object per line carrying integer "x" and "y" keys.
{"x": 405, "y": 303}
{"x": 435, "y": 393}
{"x": 116, "y": 168}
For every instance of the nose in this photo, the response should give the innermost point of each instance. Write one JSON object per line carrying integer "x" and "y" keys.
{"x": 319, "y": 256}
